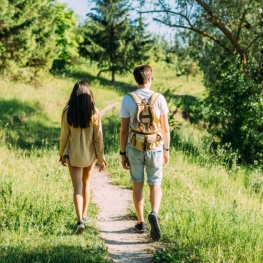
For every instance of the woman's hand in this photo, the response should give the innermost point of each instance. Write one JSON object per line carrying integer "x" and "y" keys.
{"x": 102, "y": 166}
{"x": 63, "y": 160}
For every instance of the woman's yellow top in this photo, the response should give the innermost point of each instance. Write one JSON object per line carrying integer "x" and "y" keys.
{"x": 83, "y": 146}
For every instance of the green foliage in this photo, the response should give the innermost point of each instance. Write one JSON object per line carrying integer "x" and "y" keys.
{"x": 234, "y": 110}
{"x": 37, "y": 216}
{"x": 68, "y": 252}
{"x": 226, "y": 39}
{"x": 228, "y": 28}
{"x": 162, "y": 50}
{"x": 113, "y": 39}
{"x": 26, "y": 36}
{"x": 68, "y": 38}
{"x": 37, "y": 213}
{"x": 32, "y": 35}
{"x": 176, "y": 254}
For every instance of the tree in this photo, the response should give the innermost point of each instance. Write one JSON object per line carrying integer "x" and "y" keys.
{"x": 44, "y": 39}
{"x": 162, "y": 50}
{"x": 227, "y": 37}
{"x": 68, "y": 39}
{"x": 236, "y": 27}
{"x": 113, "y": 39}
{"x": 33, "y": 34}
{"x": 26, "y": 34}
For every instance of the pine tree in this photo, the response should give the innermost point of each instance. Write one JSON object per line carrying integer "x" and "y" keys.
{"x": 113, "y": 39}
{"x": 44, "y": 37}
{"x": 27, "y": 34}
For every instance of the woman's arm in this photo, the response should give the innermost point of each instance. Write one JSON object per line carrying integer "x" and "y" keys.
{"x": 98, "y": 141}
{"x": 64, "y": 137}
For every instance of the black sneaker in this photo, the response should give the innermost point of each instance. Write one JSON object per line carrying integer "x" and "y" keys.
{"x": 140, "y": 228}
{"x": 155, "y": 228}
{"x": 80, "y": 228}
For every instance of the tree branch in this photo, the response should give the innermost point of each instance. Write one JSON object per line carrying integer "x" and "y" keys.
{"x": 164, "y": 11}
{"x": 191, "y": 27}
{"x": 203, "y": 33}
{"x": 240, "y": 24}
{"x": 217, "y": 22}
{"x": 254, "y": 40}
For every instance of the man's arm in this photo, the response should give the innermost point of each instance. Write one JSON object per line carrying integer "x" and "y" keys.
{"x": 123, "y": 141}
{"x": 166, "y": 137}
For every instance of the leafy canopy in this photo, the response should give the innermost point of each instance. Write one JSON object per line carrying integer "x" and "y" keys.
{"x": 226, "y": 37}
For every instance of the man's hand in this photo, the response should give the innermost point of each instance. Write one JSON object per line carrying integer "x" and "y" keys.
{"x": 125, "y": 162}
{"x": 166, "y": 157}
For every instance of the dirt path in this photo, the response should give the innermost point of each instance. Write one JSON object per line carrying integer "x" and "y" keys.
{"x": 124, "y": 244}
{"x": 102, "y": 112}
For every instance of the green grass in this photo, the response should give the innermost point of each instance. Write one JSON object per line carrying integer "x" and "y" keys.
{"x": 37, "y": 216}
{"x": 37, "y": 213}
{"x": 209, "y": 212}
{"x": 211, "y": 208}
{"x": 165, "y": 78}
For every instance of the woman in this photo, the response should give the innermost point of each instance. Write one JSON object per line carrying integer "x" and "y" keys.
{"x": 81, "y": 143}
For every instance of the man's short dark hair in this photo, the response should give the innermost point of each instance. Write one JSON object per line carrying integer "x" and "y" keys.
{"x": 142, "y": 73}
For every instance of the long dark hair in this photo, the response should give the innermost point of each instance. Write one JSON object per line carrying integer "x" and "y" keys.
{"x": 80, "y": 105}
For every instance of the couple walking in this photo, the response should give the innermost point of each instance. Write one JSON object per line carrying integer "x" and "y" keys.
{"x": 81, "y": 143}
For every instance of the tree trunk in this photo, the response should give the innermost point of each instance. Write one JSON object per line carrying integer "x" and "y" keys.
{"x": 113, "y": 78}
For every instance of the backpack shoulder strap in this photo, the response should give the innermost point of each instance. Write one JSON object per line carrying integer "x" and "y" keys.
{"x": 153, "y": 98}
{"x": 136, "y": 98}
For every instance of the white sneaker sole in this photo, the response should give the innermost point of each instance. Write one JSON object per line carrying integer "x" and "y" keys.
{"x": 86, "y": 220}
{"x": 79, "y": 230}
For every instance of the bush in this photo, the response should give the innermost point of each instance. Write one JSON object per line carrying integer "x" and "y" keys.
{"x": 234, "y": 111}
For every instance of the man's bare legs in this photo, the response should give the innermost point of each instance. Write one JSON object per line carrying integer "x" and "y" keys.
{"x": 138, "y": 200}
{"x": 155, "y": 197}
{"x": 155, "y": 200}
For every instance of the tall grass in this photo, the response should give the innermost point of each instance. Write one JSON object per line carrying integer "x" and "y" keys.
{"x": 37, "y": 213}
{"x": 210, "y": 212}
{"x": 37, "y": 216}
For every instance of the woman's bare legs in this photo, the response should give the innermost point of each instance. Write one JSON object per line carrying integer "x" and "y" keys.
{"x": 86, "y": 178}
{"x": 80, "y": 178}
{"x": 76, "y": 178}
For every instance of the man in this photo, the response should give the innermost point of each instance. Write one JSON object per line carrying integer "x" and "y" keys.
{"x": 152, "y": 160}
